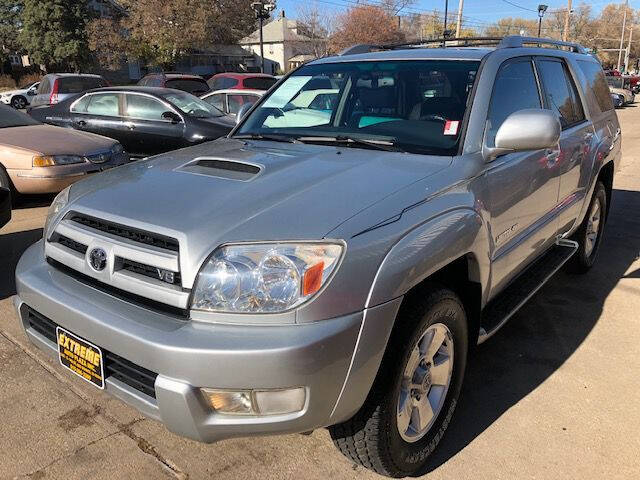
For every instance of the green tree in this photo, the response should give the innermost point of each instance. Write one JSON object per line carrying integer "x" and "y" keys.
{"x": 10, "y": 11}
{"x": 54, "y": 33}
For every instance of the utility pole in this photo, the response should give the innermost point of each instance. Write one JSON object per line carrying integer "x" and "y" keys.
{"x": 565, "y": 32}
{"x": 459, "y": 22}
{"x": 446, "y": 14}
{"x": 541, "y": 11}
{"x": 628, "y": 52}
{"x": 624, "y": 26}
{"x": 263, "y": 12}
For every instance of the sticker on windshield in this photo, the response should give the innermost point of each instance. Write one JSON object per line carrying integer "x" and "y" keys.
{"x": 285, "y": 93}
{"x": 451, "y": 127}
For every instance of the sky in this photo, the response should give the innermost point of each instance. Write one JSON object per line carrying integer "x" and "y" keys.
{"x": 476, "y": 13}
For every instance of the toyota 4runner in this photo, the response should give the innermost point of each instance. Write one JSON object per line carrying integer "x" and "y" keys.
{"x": 333, "y": 265}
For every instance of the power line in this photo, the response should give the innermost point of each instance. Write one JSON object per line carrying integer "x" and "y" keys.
{"x": 519, "y": 6}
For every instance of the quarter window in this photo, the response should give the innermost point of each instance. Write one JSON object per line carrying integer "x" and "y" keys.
{"x": 596, "y": 88}
{"x": 144, "y": 108}
{"x": 561, "y": 94}
{"x": 515, "y": 89}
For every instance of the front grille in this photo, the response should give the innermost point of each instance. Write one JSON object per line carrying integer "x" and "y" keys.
{"x": 115, "y": 366}
{"x": 138, "y": 300}
{"x": 166, "y": 276}
{"x": 69, "y": 243}
{"x": 139, "y": 236}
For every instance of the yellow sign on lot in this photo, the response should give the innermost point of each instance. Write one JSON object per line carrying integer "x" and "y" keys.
{"x": 81, "y": 357}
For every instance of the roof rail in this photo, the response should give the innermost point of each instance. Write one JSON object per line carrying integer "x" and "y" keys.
{"x": 512, "y": 41}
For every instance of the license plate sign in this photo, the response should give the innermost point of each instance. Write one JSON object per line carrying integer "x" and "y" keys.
{"x": 81, "y": 357}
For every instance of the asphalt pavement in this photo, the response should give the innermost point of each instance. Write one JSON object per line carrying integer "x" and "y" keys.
{"x": 555, "y": 394}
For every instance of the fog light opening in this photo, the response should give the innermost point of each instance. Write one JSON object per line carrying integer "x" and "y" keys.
{"x": 255, "y": 402}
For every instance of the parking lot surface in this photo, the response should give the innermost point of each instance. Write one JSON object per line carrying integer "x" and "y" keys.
{"x": 555, "y": 394}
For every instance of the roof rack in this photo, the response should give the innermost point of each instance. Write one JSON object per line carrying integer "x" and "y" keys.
{"x": 512, "y": 41}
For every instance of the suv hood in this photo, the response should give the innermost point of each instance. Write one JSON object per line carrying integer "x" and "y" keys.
{"x": 300, "y": 191}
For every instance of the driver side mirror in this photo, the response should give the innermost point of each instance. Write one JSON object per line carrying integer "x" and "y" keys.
{"x": 31, "y": 92}
{"x": 244, "y": 109}
{"x": 172, "y": 117}
{"x": 524, "y": 130}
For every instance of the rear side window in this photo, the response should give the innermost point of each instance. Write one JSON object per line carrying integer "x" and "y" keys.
{"x": 596, "y": 88}
{"x": 45, "y": 86}
{"x": 560, "y": 91}
{"x": 105, "y": 104}
{"x": 191, "y": 85}
{"x": 259, "y": 83}
{"x": 79, "y": 84}
{"x": 515, "y": 89}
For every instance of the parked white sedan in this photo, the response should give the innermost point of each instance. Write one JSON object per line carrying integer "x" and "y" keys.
{"x": 20, "y": 97}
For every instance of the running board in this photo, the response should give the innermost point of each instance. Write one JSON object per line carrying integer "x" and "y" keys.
{"x": 502, "y": 308}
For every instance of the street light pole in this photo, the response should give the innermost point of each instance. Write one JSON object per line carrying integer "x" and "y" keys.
{"x": 541, "y": 10}
{"x": 459, "y": 21}
{"x": 263, "y": 11}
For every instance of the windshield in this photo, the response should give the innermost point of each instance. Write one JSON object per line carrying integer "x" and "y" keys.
{"x": 417, "y": 106}
{"x": 12, "y": 118}
{"x": 192, "y": 105}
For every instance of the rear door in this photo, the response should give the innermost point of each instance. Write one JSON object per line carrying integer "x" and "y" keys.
{"x": 148, "y": 133}
{"x": 576, "y": 143}
{"x": 522, "y": 187}
{"x": 99, "y": 113}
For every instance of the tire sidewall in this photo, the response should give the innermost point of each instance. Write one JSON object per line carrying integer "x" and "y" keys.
{"x": 599, "y": 196}
{"x": 17, "y": 98}
{"x": 411, "y": 457}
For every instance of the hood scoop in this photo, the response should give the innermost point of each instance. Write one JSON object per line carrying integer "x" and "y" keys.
{"x": 222, "y": 168}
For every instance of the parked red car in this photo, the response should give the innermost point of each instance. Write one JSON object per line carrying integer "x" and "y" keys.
{"x": 241, "y": 81}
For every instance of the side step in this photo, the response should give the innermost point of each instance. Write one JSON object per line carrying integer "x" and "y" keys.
{"x": 502, "y": 308}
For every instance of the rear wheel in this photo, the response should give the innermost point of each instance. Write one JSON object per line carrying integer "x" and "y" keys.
{"x": 589, "y": 235}
{"x": 416, "y": 391}
{"x": 19, "y": 102}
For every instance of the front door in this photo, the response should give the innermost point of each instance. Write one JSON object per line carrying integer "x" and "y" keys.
{"x": 148, "y": 132}
{"x": 522, "y": 187}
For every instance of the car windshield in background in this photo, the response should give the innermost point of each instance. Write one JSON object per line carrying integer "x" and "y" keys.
{"x": 12, "y": 118}
{"x": 415, "y": 106}
{"x": 191, "y": 85}
{"x": 79, "y": 84}
{"x": 259, "y": 83}
{"x": 192, "y": 105}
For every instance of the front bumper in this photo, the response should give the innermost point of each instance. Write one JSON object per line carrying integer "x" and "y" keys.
{"x": 188, "y": 355}
{"x": 57, "y": 178}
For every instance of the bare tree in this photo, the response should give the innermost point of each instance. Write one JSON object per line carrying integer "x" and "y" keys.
{"x": 316, "y": 26}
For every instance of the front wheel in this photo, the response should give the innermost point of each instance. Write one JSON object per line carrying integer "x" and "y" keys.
{"x": 416, "y": 390}
{"x": 589, "y": 235}
{"x": 18, "y": 102}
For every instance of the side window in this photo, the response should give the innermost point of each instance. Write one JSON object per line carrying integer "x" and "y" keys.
{"x": 105, "y": 104}
{"x": 596, "y": 88}
{"x": 81, "y": 105}
{"x": 515, "y": 89}
{"x": 144, "y": 108}
{"x": 216, "y": 100}
{"x": 561, "y": 94}
{"x": 44, "y": 86}
{"x": 236, "y": 101}
{"x": 226, "y": 82}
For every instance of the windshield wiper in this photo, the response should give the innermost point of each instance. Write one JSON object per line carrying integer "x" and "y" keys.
{"x": 385, "y": 145}
{"x": 266, "y": 136}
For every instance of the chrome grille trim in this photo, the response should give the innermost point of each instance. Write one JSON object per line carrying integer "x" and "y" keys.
{"x": 123, "y": 248}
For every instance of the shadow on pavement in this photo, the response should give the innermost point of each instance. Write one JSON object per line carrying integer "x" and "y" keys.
{"x": 12, "y": 245}
{"x": 544, "y": 333}
{"x": 21, "y": 202}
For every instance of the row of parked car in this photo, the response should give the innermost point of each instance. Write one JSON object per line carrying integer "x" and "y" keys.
{"x": 106, "y": 126}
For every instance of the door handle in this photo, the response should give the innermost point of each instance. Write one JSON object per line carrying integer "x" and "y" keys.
{"x": 130, "y": 126}
{"x": 588, "y": 136}
{"x": 552, "y": 157}
{"x": 81, "y": 123}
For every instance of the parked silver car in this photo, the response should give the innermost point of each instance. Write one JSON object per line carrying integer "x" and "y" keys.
{"x": 336, "y": 272}
{"x": 56, "y": 87}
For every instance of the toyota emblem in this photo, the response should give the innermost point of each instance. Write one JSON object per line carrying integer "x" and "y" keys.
{"x": 97, "y": 259}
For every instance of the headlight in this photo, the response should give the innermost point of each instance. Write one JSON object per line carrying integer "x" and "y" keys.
{"x": 266, "y": 278}
{"x": 58, "y": 204}
{"x": 117, "y": 149}
{"x": 52, "y": 160}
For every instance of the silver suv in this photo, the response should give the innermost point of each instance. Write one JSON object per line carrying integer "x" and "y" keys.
{"x": 56, "y": 87}
{"x": 333, "y": 266}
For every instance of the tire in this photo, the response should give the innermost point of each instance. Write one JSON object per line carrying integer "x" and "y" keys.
{"x": 588, "y": 243}
{"x": 19, "y": 102}
{"x": 5, "y": 182}
{"x": 373, "y": 438}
